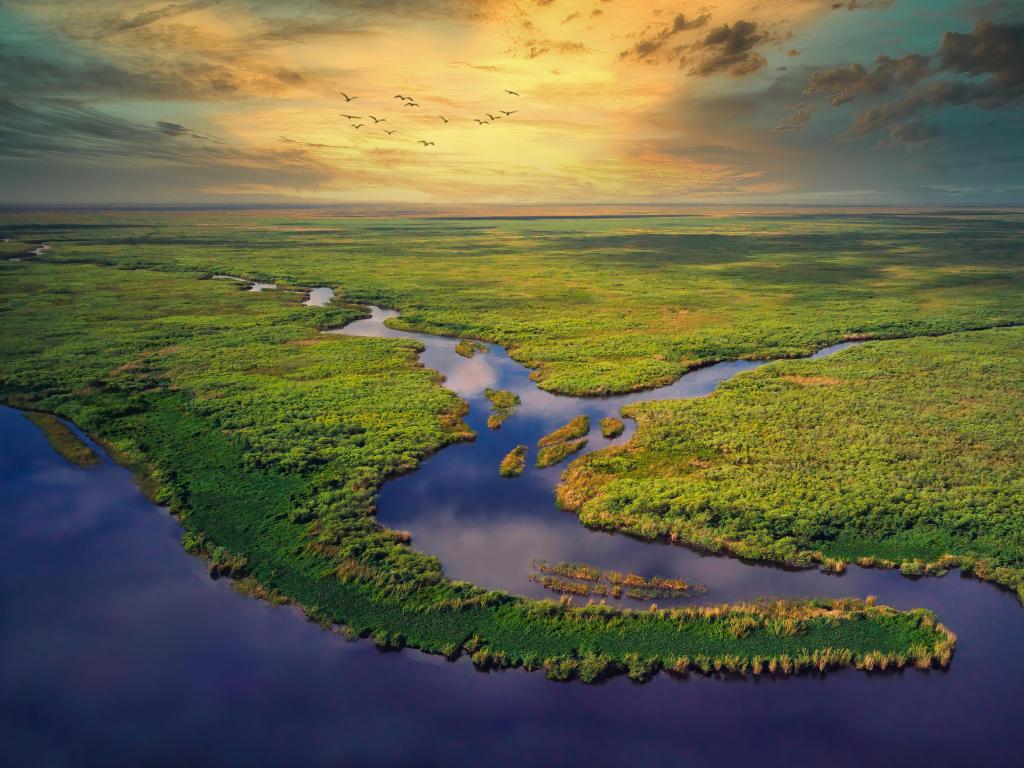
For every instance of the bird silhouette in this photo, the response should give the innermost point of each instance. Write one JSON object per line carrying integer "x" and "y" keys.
{"x": 511, "y": 93}
{"x": 349, "y": 117}
{"x": 399, "y": 96}
{"x": 378, "y": 119}
{"x": 481, "y": 122}
{"x": 347, "y": 97}
{"x": 389, "y": 132}
{"x": 445, "y": 119}
{"x": 357, "y": 126}
{"x": 425, "y": 143}
{"x": 508, "y": 114}
{"x": 411, "y": 103}
{"x": 492, "y": 116}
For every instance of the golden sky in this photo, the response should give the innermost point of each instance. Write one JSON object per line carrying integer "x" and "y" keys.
{"x": 618, "y": 100}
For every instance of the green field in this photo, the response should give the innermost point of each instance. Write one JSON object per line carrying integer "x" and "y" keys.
{"x": 271, "y": 440}
{"x": 904, "y": 453}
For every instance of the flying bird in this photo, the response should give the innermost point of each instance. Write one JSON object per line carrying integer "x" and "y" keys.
{"x": 378, "y": 119}
{"x": 398, "y": 96}
{"x": 350, "y": 117}
{"x": 347, "y": 97}
{"x": 508, "y": 114}
{"x": 511, "y": 93}
{"x": 389, "y": 132}
{"x": 492, "y": 116}
{"x": 357, "y": 126}
{"x": 445, "y": 119}
{"x": 481, "y": 122}
{"x": 411, "y": 103}
{"x": 425, "y": 143}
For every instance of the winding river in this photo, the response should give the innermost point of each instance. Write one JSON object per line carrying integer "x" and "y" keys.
{"x": 116, "y": 648}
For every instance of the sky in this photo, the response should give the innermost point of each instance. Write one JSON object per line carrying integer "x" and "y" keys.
{"x": 776, "y": 102}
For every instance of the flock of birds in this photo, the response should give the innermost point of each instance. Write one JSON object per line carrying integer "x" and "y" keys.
{"x": 409, "y": 101}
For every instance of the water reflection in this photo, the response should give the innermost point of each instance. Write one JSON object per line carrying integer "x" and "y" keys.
{"x": 116, "y": 648}
{"x": 487, "y": 529}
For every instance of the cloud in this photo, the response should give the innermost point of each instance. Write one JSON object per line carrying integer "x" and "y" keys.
{"x": 983, "y": 68}
{"x": 910, "y": 136}
{"x": 989, "y": 49}
{"x": 730, "y": 48}
{"x": 64, "y": 128}
{"x": 646, "y": 48}
{"x": 797, "y": 119}
{"x": 151, "y": 16}
{"x": 862, "y": 5}
{"x": 841, "y": 85}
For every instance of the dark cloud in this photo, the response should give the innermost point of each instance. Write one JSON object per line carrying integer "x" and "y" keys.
{"x": 989, "y": 49}
{"x": 841, "y": 85}
{"x": 983, "y": 68}
{"x": 910, "y": 136}
{"x": 59, "y": 128}
{"x": 28, "y": 74}
{"x": 730, "y": 48}
{"x": 862, "y": 5}
{"x": 646, "y": 48}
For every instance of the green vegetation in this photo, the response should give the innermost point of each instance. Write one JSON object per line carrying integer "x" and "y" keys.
{"x": 556, "y": 446}
{"x": 469, "y": 348}
{"x": 577, "y": 426}
{"x": 599, "y": 305}
{"x": 270, "y": 440}
{"x": 514, "y": 462}
{"x": 587, "y": 581}
{"x": 503, "y": 405}
{"x": 902, "y": 454}
{"x": 63, "y": 440}
{"x": 557, "y": 453}
{"x": 611, "y": 427}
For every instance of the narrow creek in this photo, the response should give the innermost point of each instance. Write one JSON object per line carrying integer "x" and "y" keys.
{"x": 487, "y": 529}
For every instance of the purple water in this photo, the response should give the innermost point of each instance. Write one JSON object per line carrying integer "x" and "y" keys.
{"x": 117, "y": 649}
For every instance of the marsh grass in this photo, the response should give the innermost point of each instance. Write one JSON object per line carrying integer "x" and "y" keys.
{"x": 514, "y": 462}
{"x": 586, "y": 580}
{"x": 63, "y": 440}
{"x": 270, "y": 441}
{"x": 612, "y": 427}
{"x": 469, "y": 348}
{"x": 503, "y": 405}
{"x": 900, "y": 454}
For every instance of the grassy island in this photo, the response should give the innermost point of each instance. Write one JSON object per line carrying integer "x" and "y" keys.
{"x": 576, "y": 427}
{"x": 469, "y": 348}
{"x": 611, "y": 427}
{"x": 503, "y": 405}
{"x": 269, "y": 440}
{"x": 514, "y": 462}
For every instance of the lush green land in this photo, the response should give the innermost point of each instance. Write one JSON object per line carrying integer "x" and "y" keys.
{"x": 468, "y": 348}
{"x": 902, "y": 453}
{"x": 63, "y": 440}
{"x": 271, "y": 440}
{"x": 600, "y": 305}
{"x": 514, "y": 462}
{"x": 611, "y": 427}
{"x": 503, "y": 405}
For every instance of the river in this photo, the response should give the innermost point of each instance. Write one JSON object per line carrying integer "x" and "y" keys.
{"x": 116, "y": 648}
